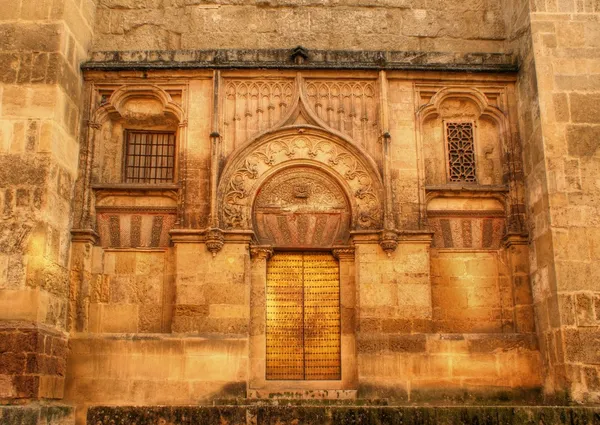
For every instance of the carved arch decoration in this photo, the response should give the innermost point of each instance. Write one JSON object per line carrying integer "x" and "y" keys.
{"x": 300, "y": 146}
{"x": 477, "y": 96}
{"x": 301, "y": 207}
{"x": 115, "y": 104}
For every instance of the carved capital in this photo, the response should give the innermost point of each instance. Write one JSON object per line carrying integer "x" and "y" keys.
{"x": 84, "y": 236}
{"x": 94, "y": 125}
{"x": 344, "y": 253}
{"x": 214, "y": 240}
{"x": 261, "y": 252}
{"x": 388, "y": 241}
{"x": 514, "y": 239}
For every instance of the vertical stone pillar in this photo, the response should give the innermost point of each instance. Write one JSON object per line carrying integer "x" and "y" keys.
{"x": 517, "y": 251}
{"x": 82, "y": 248}
{"x": 348, "y": 320}
{"x": 258, "y": 341}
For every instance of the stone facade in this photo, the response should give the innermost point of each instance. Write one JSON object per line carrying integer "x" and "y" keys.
{"x": 156, "y": 155}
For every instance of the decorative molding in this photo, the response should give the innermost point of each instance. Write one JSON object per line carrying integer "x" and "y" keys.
{"x": 344, "y": 253}
{"x": 261, "y": 252}
{"x": 415, "y": 237}
{"x": 466, "y": 213}
{"x": 433, "y": 107}
{"x": 187, "y": 236}
{"x": 115, "y": 104}
{"x": 135, "y": 208}
{"x": 252, "y": 106}
{"x": 315, "y": 59}
{"x": 467, "y": 188}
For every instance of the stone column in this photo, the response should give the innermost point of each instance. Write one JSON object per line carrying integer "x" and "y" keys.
{"x": 346, "y": 255}
{"x": 257, "y": 344}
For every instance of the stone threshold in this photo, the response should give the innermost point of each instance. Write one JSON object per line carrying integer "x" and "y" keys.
{"x": 344, "y": 415}
{"x": 307, "y": 59}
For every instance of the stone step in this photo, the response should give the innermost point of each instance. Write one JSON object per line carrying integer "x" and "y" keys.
{"x": 342, "y": 415}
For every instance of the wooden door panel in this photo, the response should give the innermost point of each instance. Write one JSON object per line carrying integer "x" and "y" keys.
{"x": 303, "y": 317}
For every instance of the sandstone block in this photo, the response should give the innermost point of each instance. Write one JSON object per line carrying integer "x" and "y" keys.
{"x": 119, "y": 318}
{"x": 585, "y": 108}
{"x": 583, "y": 141}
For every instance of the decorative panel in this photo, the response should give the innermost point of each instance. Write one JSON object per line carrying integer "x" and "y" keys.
{"x": 303, "y": 317}
{"x": 467, "y": 229}
{"x": 134, "y": 229}
{"x": 252, "y": 106}
{"x": 460, "y": 146}
{"x": 350, "y": 107}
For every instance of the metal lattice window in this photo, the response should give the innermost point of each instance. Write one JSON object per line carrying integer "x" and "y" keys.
{"x": 149, "y": 157}
{"x": 461, "y": 152}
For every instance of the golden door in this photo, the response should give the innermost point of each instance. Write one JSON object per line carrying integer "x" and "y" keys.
{"x": 303, "y": 316}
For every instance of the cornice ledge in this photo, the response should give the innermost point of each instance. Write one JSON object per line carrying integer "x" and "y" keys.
{"x": 311, "y": 59}
{"x": 415, "y": 236}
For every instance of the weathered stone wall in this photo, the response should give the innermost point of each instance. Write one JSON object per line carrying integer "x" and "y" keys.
{"x": 565, "y": 223}
{"x": 130, "y": 292}
{"x": 404, "y": 300}
{"x": 450, "y": 367}
{"x": 212, "y": 292}
{"x": 356, "y": 24}
{"x": 154, "y": 369}
{"x": 557, "y": 44}
{"x": 41, "y": 47}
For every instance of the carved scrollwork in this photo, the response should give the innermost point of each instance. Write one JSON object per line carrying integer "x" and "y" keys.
{"x": 241, "y": 182}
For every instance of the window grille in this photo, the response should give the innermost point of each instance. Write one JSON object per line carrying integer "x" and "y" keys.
{"x": 461, "y": 152}
{"x": 149, "y": 157}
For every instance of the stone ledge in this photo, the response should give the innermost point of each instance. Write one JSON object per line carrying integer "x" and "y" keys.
{"x": 316, "y": 59}
{"x": 329, "y": 415}
{"x": 37, "y": 414}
